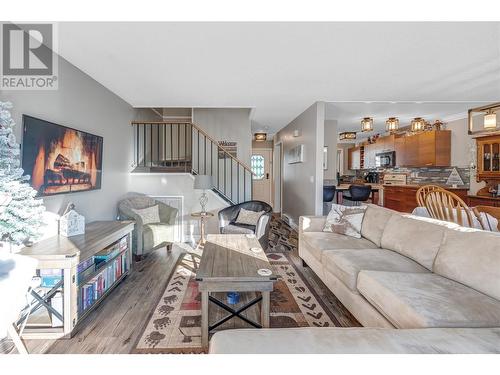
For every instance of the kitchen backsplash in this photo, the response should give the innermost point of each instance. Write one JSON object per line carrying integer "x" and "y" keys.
{"x": 432, "y": 175}
{"x": 422, "y": 176}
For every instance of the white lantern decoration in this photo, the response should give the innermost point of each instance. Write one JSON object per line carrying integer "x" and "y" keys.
{"x": 71, "y": 224}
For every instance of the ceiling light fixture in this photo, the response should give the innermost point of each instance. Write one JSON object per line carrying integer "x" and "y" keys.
{"x": 417, "y": 124}
{"x": 490, "y": 120}
{"x": 392, "y": 124}
{"x": 367, "y": 124}
{"x": 488, "y": 114}
{"x": 347, "y": 135}
{"x": 260, "y": 137}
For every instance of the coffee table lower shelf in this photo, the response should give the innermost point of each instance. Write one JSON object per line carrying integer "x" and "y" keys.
{"x": 264, "y": 289}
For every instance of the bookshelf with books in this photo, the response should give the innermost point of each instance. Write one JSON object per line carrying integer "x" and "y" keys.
{"x": 84, "y": 269}
{"x": 99, "y": 276}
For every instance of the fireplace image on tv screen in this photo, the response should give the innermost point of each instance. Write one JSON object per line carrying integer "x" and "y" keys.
{"x": 60, "y": 159}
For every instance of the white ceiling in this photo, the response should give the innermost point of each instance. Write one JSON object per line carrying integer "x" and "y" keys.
{"x": 279, "y": 69}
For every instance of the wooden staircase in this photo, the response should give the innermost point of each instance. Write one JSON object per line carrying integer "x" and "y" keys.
{"x": 183, "y": 147}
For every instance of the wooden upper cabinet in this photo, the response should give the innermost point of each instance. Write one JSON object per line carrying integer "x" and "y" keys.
{"x": 387, "y": 143}
{"x": 369, "y": 154}
{"x": 488, "y": 157}
{"x": 354, "y": 158}
{"x": 399, "y": 147}
{"x": 426, "y": 149}
{"x": 411, "y": 151}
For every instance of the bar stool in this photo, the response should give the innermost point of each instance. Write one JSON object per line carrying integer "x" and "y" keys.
{"x": 328, "y": 195}
{"x": 358, "y": 194}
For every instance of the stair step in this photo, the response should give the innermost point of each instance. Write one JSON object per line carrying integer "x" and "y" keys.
{"x": 172, "y": 169}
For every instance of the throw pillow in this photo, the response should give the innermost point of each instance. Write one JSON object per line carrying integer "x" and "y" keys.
{"x": 345, "y": 220}
{"x": 149, "y": 215}
{"x": 248, "y": 217}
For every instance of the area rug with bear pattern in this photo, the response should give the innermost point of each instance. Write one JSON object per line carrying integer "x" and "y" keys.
{"x": 175, "y": 324}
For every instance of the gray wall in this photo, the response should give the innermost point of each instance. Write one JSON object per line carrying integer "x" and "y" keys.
{"x": 331, "y": 137}
{"x": 227, "y": 124}
{"x": 303, "y": 182}
{"x": 84, "y": 104}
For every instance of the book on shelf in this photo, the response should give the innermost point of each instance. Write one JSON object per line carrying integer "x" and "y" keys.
{"x": 94, "y": 289}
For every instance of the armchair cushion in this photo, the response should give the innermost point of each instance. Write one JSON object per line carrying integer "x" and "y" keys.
{"x": 147, "y": 237}
{"x": 228, "y": 217}
{"x": 157, "y": 234}
{"x": 248, "y": 217}
{"x": 148, "y": 214}
{"x": 238, "y": 229}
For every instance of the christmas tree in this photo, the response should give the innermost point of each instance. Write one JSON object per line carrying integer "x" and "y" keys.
{"x": 21, "y": 214}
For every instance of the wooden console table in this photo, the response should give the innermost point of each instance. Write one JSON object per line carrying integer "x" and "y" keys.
{"x": 65, "y": 254}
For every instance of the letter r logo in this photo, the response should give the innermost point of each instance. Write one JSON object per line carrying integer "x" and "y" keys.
{"x": 27, "y": 49}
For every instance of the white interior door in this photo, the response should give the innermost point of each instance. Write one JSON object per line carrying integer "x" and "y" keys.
{"x": 261, "y": 164}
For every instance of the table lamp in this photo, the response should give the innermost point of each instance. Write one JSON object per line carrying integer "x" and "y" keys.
{"x": 203, "y": 182}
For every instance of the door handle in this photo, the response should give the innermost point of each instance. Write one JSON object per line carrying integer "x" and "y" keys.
{"x": 267, "y": 176}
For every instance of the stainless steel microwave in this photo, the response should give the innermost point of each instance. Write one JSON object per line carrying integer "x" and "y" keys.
{"x": 385, "y": 159}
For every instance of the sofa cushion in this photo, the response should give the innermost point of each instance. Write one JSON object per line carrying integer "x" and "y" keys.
{"x": 420, "y": 300}
{"x": 346, "y": 264}
{"x": 415, "y": 239}
{"x": 356, "y": 340}
{"x": 345, "y": 220}
{"x": 374, "y": 222}
{"x": 321, "y": 241}
{"x": 471, "y": 257}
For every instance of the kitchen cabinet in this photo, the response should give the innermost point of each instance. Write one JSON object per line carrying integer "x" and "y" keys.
{"x": 383, "y": 144}
{"x": 370, "y": 151}
{"x": 399, "y": 147}
{"x": 387, "y": 143}
{"x": 403, "y": 198}
{"x": 354, "y": 158}
{"x": 477, "y": 200}
{"x": 488, "y": 158}
{"x": 410, "y": 152}
{"x": 426, "y": 149}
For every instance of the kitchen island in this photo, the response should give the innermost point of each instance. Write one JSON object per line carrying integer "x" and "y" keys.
{"x": 403, "y": 198}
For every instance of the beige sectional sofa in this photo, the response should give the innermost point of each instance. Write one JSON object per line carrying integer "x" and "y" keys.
{"x": 430, "y": 279}
{"x": 408, "y": 272}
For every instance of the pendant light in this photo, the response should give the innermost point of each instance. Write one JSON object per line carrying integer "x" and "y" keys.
{"x": 260, "y": 137}
{"x": 367, "y": 124}
{"x": 392, "y": 124}
{"x": 417, "y": 124}
{"x": 490, "y": 120}
{"x": 347, "y": 135}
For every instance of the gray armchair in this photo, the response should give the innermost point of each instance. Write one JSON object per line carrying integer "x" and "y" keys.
{"x": 228, "y": 225}
{"x": 150, "y": 236}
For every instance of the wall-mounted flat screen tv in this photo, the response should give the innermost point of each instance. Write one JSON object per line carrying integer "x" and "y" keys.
{"x": 60, "y": 159}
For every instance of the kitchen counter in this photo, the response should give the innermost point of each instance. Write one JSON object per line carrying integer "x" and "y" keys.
{"x": 488, "y": 197}
{"x": 416, "y": 186}
{"x": 403, "y": 198}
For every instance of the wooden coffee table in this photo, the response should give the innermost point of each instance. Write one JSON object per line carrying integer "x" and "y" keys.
{"x": 229, "y": 263}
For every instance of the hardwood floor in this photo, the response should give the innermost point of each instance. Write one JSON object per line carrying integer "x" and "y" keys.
{"x": 115, "y": 326}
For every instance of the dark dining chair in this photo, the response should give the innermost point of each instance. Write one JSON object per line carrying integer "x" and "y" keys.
{"x": 328, "y": 195}
{"x": 358, "y": 194}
